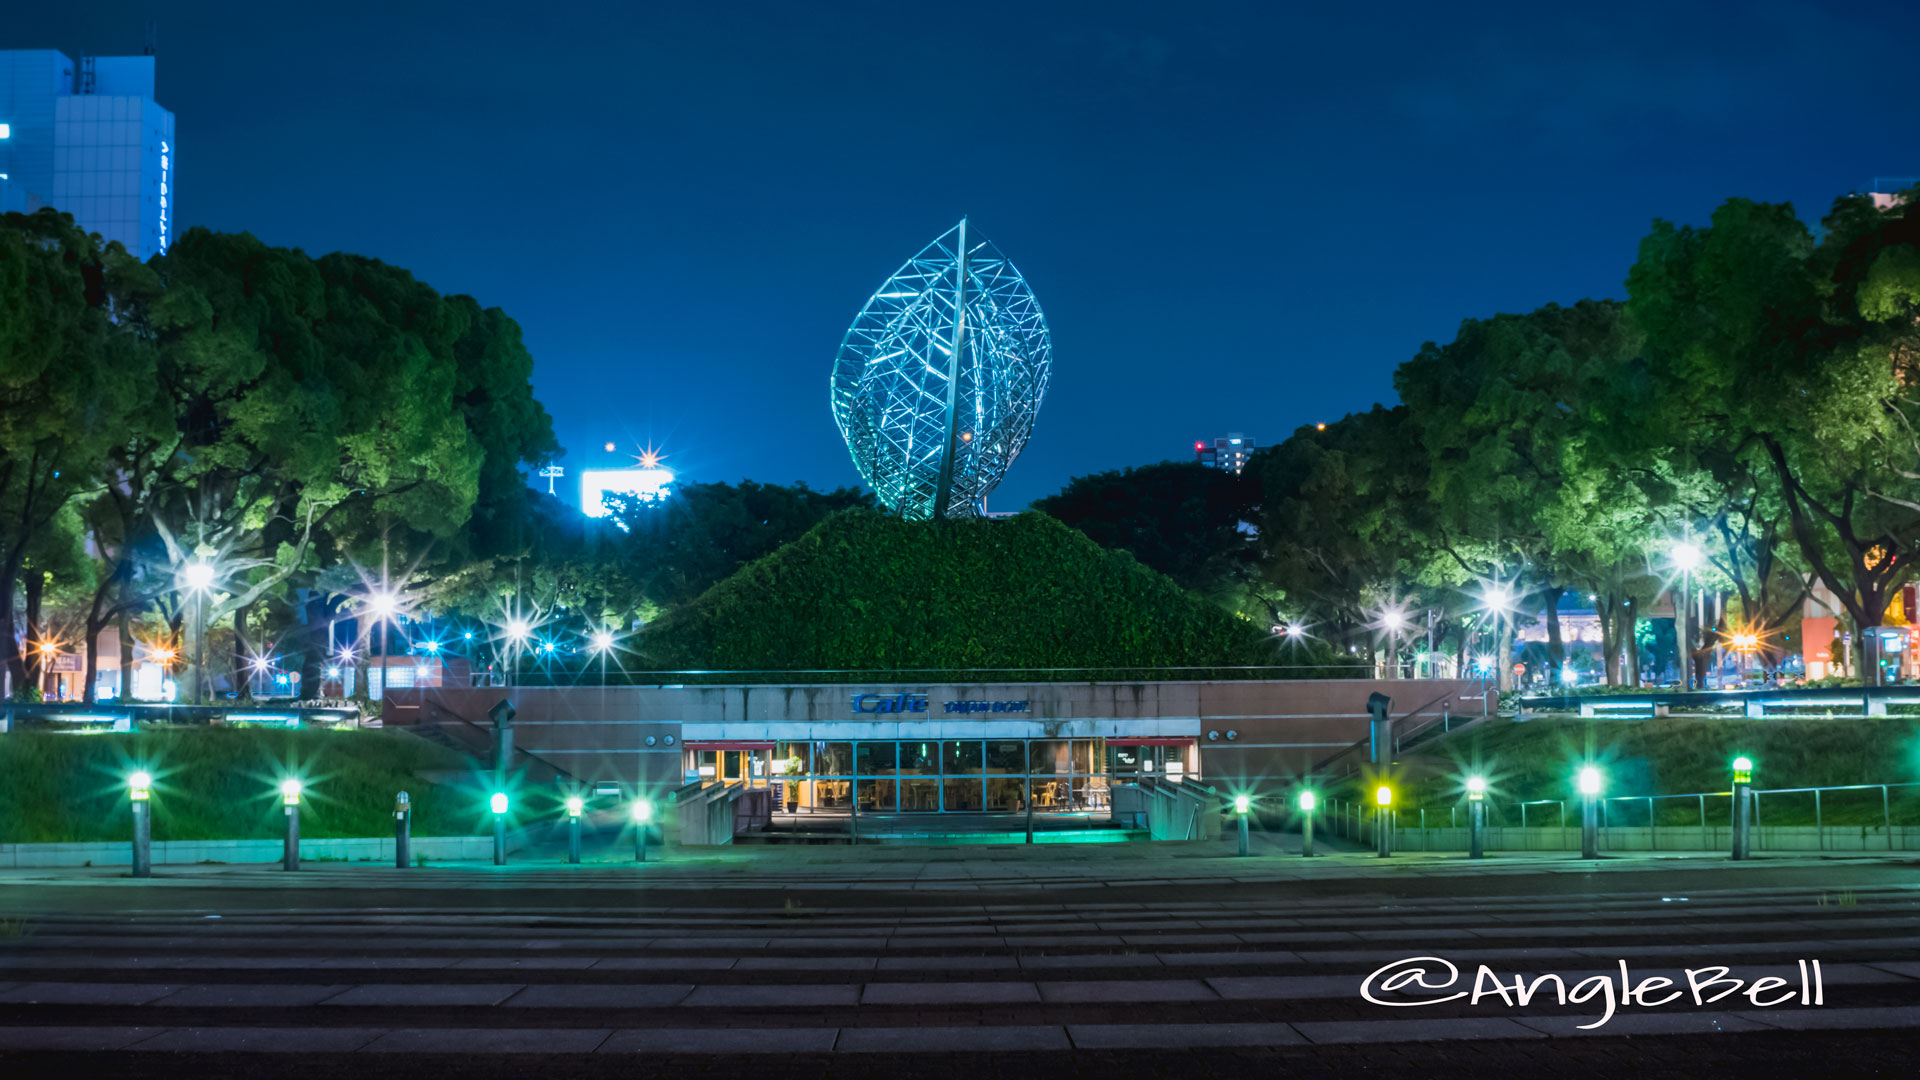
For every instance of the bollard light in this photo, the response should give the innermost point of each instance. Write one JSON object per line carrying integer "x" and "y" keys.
{"x": 1589, "y": 781}
{"x": 1476, "y": 788}
{"x": 140, "y": 786}
{"x": 1743, "y": 770}
{"x": 642, "y": 811}
{"x": 575, "y": 805}
{"x": 290, "y": 798}
{"x": 1589, "y": 785}
{"x": 1383, "y": 796}
{"x": 498, "y": 804}
{"x": 1242, "y": 803}
{"x": 1383, "y": 821}
{"x": 1308, "y": 801}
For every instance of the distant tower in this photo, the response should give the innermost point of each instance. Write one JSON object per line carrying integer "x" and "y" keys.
{"x": 938, "y": 380}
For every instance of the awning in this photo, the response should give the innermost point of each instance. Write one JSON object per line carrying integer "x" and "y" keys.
{"x": 1132, "y": 740}
{"x": 729, "y": 745}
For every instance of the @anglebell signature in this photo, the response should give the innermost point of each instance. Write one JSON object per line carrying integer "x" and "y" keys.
{"x": 1432, "y": 974}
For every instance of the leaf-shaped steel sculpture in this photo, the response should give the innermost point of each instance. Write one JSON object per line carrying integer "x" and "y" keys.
{"x": 938, "y": 380}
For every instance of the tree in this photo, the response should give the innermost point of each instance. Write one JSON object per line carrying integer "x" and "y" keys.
{"x": 318, "y": 403}
{"x": 70, "y": 376}
{"x": 1184, "y": 519}
{"x": 1795, "y": 359}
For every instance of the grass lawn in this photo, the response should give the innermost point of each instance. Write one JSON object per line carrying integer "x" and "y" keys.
{"x": 223, "y": 784}
{"x": 1538, "y": 759}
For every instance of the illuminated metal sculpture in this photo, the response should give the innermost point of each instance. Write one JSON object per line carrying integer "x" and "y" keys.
{"x": 938, "y": 380}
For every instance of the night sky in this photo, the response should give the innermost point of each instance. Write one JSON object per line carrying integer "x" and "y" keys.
{"x": 1237, "y": 217}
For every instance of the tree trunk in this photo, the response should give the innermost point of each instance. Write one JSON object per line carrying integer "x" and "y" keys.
{"x": 1503, "y": 649}
{"x": 1556, "y": 648}
{"x": 93, "y": 661}
{"x": 36, "y": 635}
{"x": 242, "y": 663}
{"x": 1605, "y": 608}
{"x": 125, "y": 627}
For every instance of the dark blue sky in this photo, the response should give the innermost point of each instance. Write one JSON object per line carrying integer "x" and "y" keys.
{"x": 1237, "y": 217}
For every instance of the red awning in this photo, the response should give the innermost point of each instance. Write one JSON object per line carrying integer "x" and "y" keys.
{"x": 729, "y": 746}
{"x": 1129, "y": 740}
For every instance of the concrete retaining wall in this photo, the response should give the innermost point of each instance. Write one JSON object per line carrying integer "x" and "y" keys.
{"x": 358, "y": 849}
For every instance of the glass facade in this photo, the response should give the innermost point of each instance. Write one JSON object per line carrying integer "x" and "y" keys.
{"x": 965, "y": 776}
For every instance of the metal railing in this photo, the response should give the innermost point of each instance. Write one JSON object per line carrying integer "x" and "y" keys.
{"x": 1354, "y": 819}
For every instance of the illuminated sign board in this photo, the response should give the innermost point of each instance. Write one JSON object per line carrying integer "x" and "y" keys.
{"x": 645, "y": 485}
{"x": 917, "y": 703}
{"x": 166, "y": 173}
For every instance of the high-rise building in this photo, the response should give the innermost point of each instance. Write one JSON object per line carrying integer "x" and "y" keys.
{"x": 1230, "y": 452}
{"x": 88, "y": 139}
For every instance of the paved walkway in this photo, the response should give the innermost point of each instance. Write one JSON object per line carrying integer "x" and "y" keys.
{"x": 347, "y": 966}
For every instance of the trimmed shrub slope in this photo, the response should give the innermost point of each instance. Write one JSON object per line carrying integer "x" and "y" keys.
{"x": 864, "y": 591}
{"x": 223, "y": 784}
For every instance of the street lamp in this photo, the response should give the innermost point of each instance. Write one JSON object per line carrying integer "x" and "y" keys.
{"x": 290, "y": 789}
{"x": 140, "y": 794}
{"x": 1308, "y": 802}
{"x": 197, "y": 577}
{"x": 1382, "y": 811}
{"x": 1476, "y": 817}
{"x": 603, "y": 644}
{"x": 1589, "y": 785}
{"x": 1395, "y": 621}
{"x": 1685, "y": 558}
{"x": 642, "y": 815}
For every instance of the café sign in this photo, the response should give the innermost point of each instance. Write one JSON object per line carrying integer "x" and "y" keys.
{"x": 917, "y": 703}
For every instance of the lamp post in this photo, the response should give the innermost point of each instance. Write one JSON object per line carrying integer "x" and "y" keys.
{"x": 198, "y": 577}
{"x": 498, "y": 804}
{"x": 642, "y": 815}
{"x": 1395, "y": 621}
{"x": 603, "y": 644}
{"x": 140, "y": 794}
{"x": 1242, "y": 809}
{"x": 383, "y": 604}
{"x": 574, "y": 805}
{"x": 1307, "y": 804}
{"x": 290, "y": 800}
{"x": 1742, "y": 806}
{"x": 1589, "y": 783}
{"x": 1476, "y": 817}
{"x": 402, "y": 831}
{"x": 1383, "y": 815}
{"x": 1686, "y": 557}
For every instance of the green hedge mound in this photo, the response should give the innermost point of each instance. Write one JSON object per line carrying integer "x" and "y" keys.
{"x": 867, "y": 592}
{"x": 223, "y": 784}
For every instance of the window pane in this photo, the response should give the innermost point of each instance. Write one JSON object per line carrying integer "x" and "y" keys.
{"x": 876, "y": 758}
{"x": 833, "y": 759}
{"x": 831, "y": 794}
{"x": 1006, "y": 757}
{"x": 877, "y": 795}
{"x": 961, "y": 758}
{"x": 920, "y": 758}
{"x": 1006, "y": 795}
{"x": 919, "y": 796}
{"x": 963, "y": 796}
{"x": 1049, "y": 756}
{"x": 793, "y": 759}
{"x": 1126, "y": 759}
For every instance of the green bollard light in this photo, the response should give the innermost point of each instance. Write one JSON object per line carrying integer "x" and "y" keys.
{"x": 140, "y": 794}
{"x": 1308, "y": 801}
{"x": 498, "y": 804}
{"x": 642, "y": 816}
{"x": 1243, "y": 808}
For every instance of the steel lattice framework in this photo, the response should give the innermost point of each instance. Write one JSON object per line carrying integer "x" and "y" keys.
{"x": 938, "y": 380}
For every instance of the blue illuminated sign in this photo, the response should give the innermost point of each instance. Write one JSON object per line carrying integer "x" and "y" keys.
{"x": 917, "y": 703}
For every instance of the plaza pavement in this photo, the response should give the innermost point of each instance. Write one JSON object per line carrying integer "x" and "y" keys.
{"x": 1139, "y": 959}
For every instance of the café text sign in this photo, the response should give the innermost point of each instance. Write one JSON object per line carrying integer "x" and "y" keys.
{"x": 917, "y": 703}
